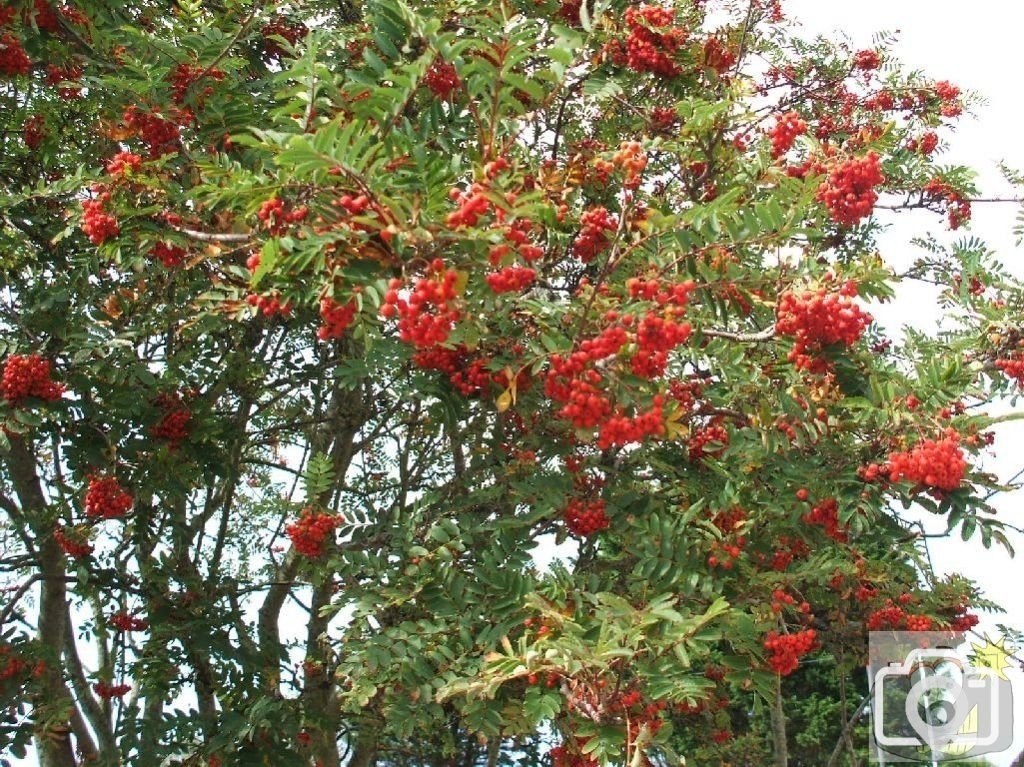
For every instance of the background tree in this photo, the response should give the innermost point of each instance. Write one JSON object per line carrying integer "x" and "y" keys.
{"x": 321, "y": 318}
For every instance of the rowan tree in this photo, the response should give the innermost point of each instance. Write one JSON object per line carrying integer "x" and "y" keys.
{"x": 323, "y": 319}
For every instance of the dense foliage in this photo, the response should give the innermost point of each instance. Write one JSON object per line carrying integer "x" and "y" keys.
{"x": 322, "y": 320}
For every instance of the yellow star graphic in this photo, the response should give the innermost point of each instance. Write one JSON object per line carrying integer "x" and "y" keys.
{"x": 993, "y": 655}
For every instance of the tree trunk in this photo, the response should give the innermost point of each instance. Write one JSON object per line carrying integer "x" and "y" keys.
{"x": 780, "y": 747}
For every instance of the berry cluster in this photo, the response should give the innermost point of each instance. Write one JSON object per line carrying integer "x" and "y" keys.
{"x": 442, "y": 79}
{"x": 28, "y": 375}
{"x": 653, "y": 40}
{"x": 632, "y": 158}
{"x": 1013, "y": 367}
{"x": 937, "y": 464}
{"x": 826, "y": 514}
{"x": 592, "y": 238}
{"x": 106, "y": 499}
{"x": 270, "y": 304}
{"x": 34, "y": 131}
{"x": 819, "y": 318}
{"x": 160, "y": 135}
{"x": 277, "y": 217}
{"x": 72, "y": 542}
{"x": 958, "y": 208}
{"x": 310, "y": 532}
{"x": 472, "y": 204}
{"x": 620, "y": 429}
{"x": 511, "y": 279}
{"x": 108, "y": 691}
{"x": 58, "y": 76}
{"x": 124, "y": 163}
{"x": 655, "y": 338}
{"x": 98, "y": 225}
{"x": 585, "y": 517}
{"x": 949, "y": 96}
{"x": 717, "y": 56}
{"x": 571, "y": 755}
{"x": 184, "y": 76}
{"x": 13, "y": 59}
{"x": 710, "y": 440}
{"x": 291, "y": 32}
{"x": 173, "y": 425}
{"x": 926, "y": 144}
{"x": 427, "y": 315}
{"x": 11, "y": 664}
{"x": 781, "y": 600}
{"x": 867, "y": 60}
{"x": 730, "y": 523}
{"x": 171, "y": 256}
{"x": 892, "y": 617}
{"x": 336, "y": 318}
{"x": 787, "y": 649}
{"x": 848, "y": 192}
{"x": 122, "y": 621}
{"x": 784, "y": 133}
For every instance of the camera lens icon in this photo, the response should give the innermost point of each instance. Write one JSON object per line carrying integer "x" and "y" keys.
{"x": 934, "y": 701}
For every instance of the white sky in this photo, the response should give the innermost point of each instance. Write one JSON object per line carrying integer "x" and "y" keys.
{"x": 977, "y": 46}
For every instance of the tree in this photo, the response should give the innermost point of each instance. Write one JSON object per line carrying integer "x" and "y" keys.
{"x": 322, "y": 318}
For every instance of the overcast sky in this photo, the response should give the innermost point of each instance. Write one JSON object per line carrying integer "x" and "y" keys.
{"x": 977, "y": 46}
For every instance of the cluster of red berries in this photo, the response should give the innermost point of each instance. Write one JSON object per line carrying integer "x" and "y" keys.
{"x": 585, "y": 517}
{"x": 653, "y": 40}
{"x": 106, "y": 499}
{"x": 655, "y": 338}
{"x": 848, "y": 192}
{"x": 426, "y": 317}
{"x": 571, "y": 755}
{"x": 28, "y": 375}
{"x": 69, "y": 73}
{"x": 958, "y": 207}
{"x": 937, "y": 464}
{"x": 45, "y": 17}
{"x": 11, "y": 664}
{"x": 511, "y": 279}
{"x": 962, "y": 620}
{"x": 677, "y": 294}
{"x": 819, "y": 318}
{"x": 867, "y": 60}
{"x": 171, "y": 256}
{"x": 1013, "y": 367}
{"x": 663, "y": 118}
{"x": 781, "y": 599}
{"x": 826, "y": 514}
{"x": 72, "y": 543}
{"x": 926, "y": 144}
{"x": 98, "y": 225}
{"x": 787, "y": 649}
{"x": 159, "y": 134}
{"x": 124, "y": 162}
{"x": 787, "y": 549}
{"x": 593, "y": 238}
{"x": 517, "y": 239}
{"x": 725, "y": 552}
{"x": 173, "y": 425}
{"x": 784, "y": 133}
{"x": 108, "y": 691}
{"x": 949, "y": 96}
{"x": 632, "y": 158}
{"x": 291, "y": 32}
{"x": 892, "y": 617}
{"x": 269, "y": 305}
{"x": 472, "y": 204}
{"x": 122, "y": 621}
{"x": 34, "y": 131}
{"x": 13, "y": 59}
{"x": 337, "y": 318}
{"x": 717, "y": 55}
{"x": 277, "y": 217}
{"x": 310, "y": 532}
{"x": 442, "y": 79}
{"x": 621, "y": 429}
{"x": 710, "y": 440}
{"x": 184, "y": 76}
